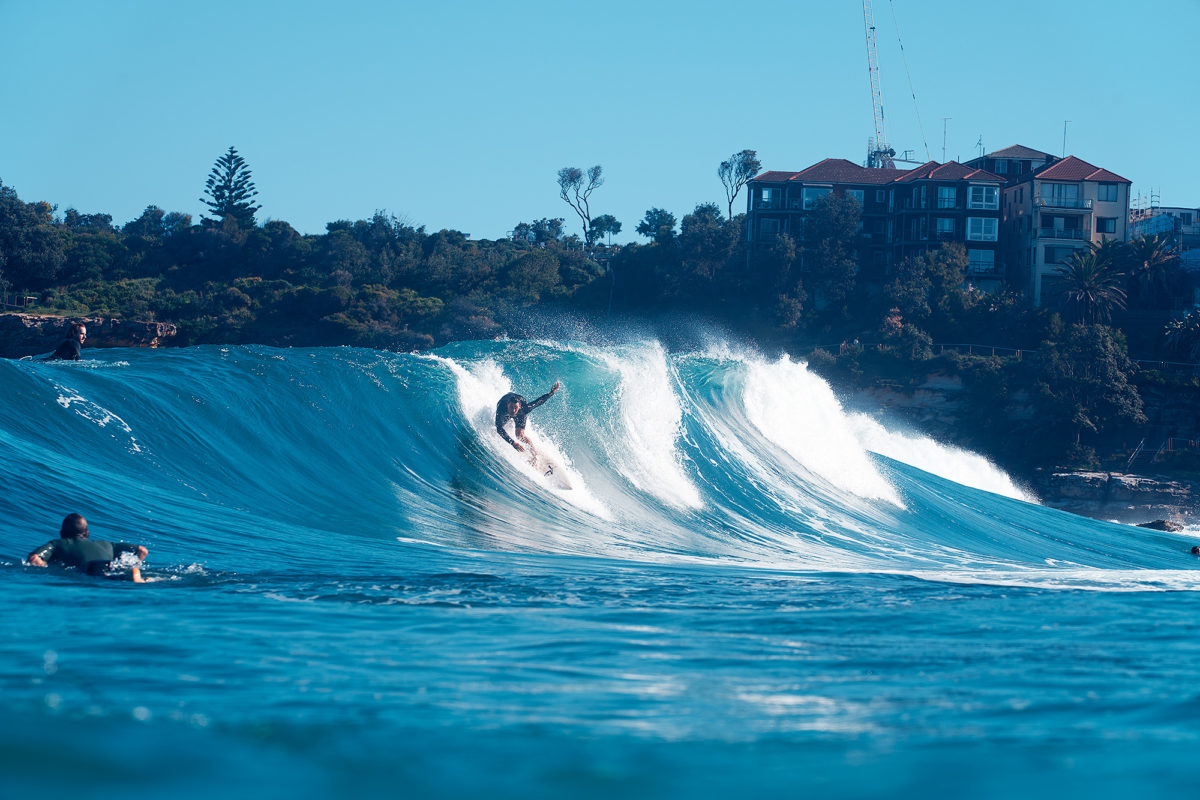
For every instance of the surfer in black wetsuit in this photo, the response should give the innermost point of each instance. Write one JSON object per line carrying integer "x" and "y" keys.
{"x": 71, "y": 349}
{"x": 73, "y": 548}
{"x": 515, "y": 407}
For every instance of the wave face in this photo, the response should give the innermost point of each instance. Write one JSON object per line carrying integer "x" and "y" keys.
{"x": 343, "y": 547}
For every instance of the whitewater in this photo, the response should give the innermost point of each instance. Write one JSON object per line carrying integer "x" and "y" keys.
{"x": 356, "y": 586}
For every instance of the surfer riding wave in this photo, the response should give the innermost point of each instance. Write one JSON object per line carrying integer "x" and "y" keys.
{"x": 515, "y": 407}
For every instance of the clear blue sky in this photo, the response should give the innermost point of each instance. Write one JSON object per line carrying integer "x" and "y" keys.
{"x": 459, "y": 113}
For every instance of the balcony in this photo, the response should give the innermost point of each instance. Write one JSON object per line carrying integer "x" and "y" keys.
{"x": 1062, "y": 202}
{"x": 1071, "y": 234}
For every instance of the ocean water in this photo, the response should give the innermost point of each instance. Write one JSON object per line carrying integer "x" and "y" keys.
{"x": 356, "y": 588}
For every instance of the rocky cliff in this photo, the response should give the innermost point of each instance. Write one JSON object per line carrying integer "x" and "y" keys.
{"x": 1120, "y": 497}
{"x": 34, "y": 334}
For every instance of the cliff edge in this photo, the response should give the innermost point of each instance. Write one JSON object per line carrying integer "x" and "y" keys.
{"x": 36, "y": 334}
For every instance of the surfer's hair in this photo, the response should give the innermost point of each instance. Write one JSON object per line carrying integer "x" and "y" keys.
{"x": 74, "y": 526}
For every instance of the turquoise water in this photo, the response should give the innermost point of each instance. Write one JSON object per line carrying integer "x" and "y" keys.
{"x": 356, "y": 586}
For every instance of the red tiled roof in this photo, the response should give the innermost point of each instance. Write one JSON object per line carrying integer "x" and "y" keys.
{"x": 1019, "y": 151}
{"x": 839, "y": 170}
{"x": 774, "y": 176}
{"x": 950, "y": 171}
{"x": 1076, "y": 169}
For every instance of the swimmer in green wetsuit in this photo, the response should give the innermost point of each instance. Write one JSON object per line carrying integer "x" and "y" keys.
{"x": 73, "y": 548}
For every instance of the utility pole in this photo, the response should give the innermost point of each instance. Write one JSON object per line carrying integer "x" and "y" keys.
{"x": 1065, "y": 121}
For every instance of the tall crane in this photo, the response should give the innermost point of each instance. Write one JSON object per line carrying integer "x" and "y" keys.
{"x": 878, "y": 152}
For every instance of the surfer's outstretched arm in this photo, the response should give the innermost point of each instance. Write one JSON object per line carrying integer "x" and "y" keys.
{"x": 543, "y": 398}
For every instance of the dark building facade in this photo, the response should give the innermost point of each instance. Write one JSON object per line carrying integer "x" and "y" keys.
{"x": 905, "y": 212}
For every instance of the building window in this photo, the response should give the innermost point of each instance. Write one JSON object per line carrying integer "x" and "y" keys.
{"x": 767, "y": 197}
{"x": 1061, "y": 195}
{"x": 880, "y": 195}
{"x": 1106, "y": 224}
{"x": 1107, "y": 193}
{"x": 1057, "y": 255}
{"x": 813, "y": 195}
{"x": 981, "y": 261}
{"x": 981, "y": 229}
{"x": 986, "y": 197}
{"x": 947, "y": 197}
{"x": 768, "y": 227}
{"x": 857, "y": 194}
{"x": 1001, "y": 167}
{"x": 945, "y": 227}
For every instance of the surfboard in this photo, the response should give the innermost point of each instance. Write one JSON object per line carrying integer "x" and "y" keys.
{"x": 552, "y": 472}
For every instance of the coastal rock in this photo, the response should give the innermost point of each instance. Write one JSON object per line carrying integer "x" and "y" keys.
{"x": 35, "y": 334}
{"x": 1162, "y": 525}
{"x": 1121, "y": 497}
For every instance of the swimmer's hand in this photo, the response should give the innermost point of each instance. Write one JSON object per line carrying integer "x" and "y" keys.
{"x": 142, "y": 552}
{"x": 554, "y": 388}
{"x": 136, "y": 574}
{"x": 520, "y": 447}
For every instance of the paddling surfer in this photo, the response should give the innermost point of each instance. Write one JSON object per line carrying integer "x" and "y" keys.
{"x": 72, "y": 347}
{"x": 515, "y": 407}
{"x": 74, "y": 548}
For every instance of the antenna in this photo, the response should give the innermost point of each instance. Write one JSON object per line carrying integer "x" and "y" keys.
{"x": 944, "y": 138}
{"x": 1065, "y": 121}
{"x": 979, "y": 144}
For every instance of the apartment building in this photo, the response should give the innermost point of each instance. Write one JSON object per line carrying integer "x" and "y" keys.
{"x": 1181, "y": 226}
{"x": 780, "y": 202}
{"x": 904, "y": 211}
{"x": 1013, "y": 163}
{"x": 937, "y": 203}
{"x": 1054, "y": 210}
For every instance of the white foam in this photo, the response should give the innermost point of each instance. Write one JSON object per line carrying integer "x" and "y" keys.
{"x": 951, "y": 463}
{"x": 647, "y": 453}
{"x": 798, "y": 412}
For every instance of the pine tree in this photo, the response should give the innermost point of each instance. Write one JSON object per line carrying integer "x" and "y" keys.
{"x": 230, "y": 190}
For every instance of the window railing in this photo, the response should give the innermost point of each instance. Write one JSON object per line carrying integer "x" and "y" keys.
{"x": 1061, "y": 202}
{"x": 1077, "y": 234}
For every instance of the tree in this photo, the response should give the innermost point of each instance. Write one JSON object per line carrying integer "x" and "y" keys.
{"x": 606, "y": 225}
{"x": 737, "y": 172}
{"x": 1091, "y": 287}
{"x": 1083, "y": 382}
{"x": 1183, "y": 336}
{"x": 706, "y": 243}
{"x": 831, "y": 249}
{"x": 658, "y": 225}
{"x": 549, "y": 229}
{"x": 1154, "y": 262}
{"x": 574, "y": 187}
{"x": 230, "y": 191}
{"x": 31, "y": 247}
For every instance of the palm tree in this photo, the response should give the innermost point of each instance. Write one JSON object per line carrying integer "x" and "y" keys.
{"x": 1153, "y": 259}
{"x": 1112, "y": 251}
{"x": 1092, "y": 287}
{"x": 1183, "y": 335}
